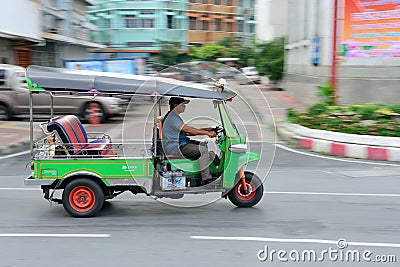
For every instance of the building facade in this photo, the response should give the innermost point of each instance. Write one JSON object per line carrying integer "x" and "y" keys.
{"x": 18, "y": 37}
{"x": 66, "y": 31}
{"x": 136, "y": 28}
{"x": 246, "y": 20}
{"x": 50, "y": 31}
{"x": 211, "y": 21}
{"x": 271, "y": 19}
{"x": 309, "y": 52}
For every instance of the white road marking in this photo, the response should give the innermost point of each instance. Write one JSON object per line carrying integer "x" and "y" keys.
{"x": 333, "y": 194}
{"x": 265, "y": 192}
{"x": 332, "y": 158}
{"x": 15, "y": 154}
{"x": 292, "y": 240}
{"x": 56, "y": 235}
{"x": 19, "y": 189}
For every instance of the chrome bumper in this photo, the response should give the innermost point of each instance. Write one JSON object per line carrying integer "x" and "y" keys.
{"x": 32, "y": 181}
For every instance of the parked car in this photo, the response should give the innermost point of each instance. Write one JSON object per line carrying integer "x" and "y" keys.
{"x": 14, "y": 99}
{"x": 226, "y": 72}
{"x": 248, "y": 75}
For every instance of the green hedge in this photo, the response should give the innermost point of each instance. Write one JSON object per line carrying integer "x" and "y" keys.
{"x": 364, "y": 119}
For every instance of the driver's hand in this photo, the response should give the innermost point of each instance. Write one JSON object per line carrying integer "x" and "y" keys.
{"x": 211, "y": 134}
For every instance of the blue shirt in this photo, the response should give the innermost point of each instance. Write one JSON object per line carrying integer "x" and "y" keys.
{"x": 173, "y": 137}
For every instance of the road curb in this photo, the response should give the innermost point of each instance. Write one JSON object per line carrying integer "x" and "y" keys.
{"x": 340, "y": 144}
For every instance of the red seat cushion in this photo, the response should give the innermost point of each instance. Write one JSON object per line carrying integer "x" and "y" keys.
{"x": 71, "y": 131}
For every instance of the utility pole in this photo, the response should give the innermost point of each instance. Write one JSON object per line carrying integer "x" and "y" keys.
{"x": 334, "y": 51}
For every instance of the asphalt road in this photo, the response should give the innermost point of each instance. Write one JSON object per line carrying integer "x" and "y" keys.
{"x": 310, "y": 202}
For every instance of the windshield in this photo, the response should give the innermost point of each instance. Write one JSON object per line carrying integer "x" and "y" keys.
{"x": 17, "y": 80}
{"x": 223, "y": 108}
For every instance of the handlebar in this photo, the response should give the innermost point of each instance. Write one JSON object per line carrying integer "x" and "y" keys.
{"x": 219, "y": 132}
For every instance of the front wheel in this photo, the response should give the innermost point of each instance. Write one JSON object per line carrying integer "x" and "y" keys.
{"x": 253, "y": 195}
{"x": 83, "y": 198}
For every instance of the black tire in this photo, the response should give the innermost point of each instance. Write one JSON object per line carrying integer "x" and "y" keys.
{"x": 240, "y": 199}
{"x": 83, "y": 198}
{"x": 5, "y": 114}
{"x": 87, "y": 110}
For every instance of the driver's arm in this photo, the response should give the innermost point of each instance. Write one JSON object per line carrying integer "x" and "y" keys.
{"x": 189, "y": 130}
{"x": 207, "y": 129}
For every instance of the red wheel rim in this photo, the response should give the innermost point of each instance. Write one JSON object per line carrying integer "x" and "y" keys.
{"x": 82, "y": 198}
{"x": 251, "y": 191}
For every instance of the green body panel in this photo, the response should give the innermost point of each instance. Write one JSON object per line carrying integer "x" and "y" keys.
{"x": 190, "y": 167}
{"x": 102, "y": 168}
{"x": 231, "y": 160}
{"x": 33, "y": 86}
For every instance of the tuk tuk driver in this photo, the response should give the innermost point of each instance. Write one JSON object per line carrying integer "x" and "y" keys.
{"x": 176, "y": 141}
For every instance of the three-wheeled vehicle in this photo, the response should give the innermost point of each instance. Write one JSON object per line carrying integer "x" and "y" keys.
{"x": 82, "y": 170}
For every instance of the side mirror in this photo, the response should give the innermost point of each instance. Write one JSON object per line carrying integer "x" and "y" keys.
{"x": 220, "y": 84}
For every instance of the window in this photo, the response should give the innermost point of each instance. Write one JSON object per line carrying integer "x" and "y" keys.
{"x": 228, "y": 26}
{"x": 252, "y": 28}
{"x": 240, "y": 26}
{"x": 203, "y": 25}
{"x": 217, "y": 2}
{"x": 169, "y": 21}
{"x": 131, "y": 21}
{"x": 192, "y": 23}
{"x": 217, "y": 25}
{"x": 147, "y": 23}
{"x": 2, "y": 77}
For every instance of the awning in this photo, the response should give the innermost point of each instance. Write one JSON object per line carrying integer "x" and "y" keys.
{"x": 10, "y": 35}
{"x": 69, "y": 40}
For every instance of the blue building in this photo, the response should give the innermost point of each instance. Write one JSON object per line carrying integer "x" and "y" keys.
{"x": 136, "y": 28}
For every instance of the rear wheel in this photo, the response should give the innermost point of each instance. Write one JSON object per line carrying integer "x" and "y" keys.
{"x": 255, "y": 191}
{"x": 4, "y": 113}
{"x": 83, "y": 198}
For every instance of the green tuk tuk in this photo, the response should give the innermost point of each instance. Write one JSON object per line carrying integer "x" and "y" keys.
{"x": 81, "y": 170}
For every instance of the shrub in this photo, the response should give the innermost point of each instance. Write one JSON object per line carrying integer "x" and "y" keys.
{"x": 318, "y": 109}
{"x": 395, "y": 108}
{"x": 326, "y": 93}
{"x": 366, "y": 119}
{"x": 366, "y": 111}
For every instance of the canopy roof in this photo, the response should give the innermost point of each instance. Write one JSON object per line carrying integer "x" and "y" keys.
{"x": 58, "y": 79}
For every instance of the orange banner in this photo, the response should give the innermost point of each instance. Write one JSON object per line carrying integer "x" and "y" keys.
{"x": 371, "y": 28}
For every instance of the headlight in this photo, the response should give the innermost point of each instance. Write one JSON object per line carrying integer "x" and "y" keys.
{"x": 238, "y": 148}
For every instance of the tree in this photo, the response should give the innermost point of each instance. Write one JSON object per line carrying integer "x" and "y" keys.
{"x": 236, "y": 48}
{"x": 169, "y": 54}
{"x": 207, "y": 52}
{"x": 270, "y": 58}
